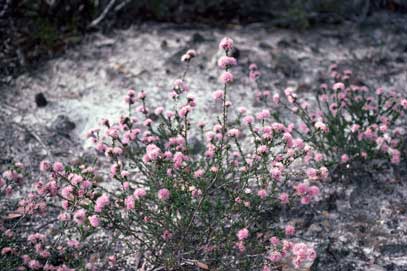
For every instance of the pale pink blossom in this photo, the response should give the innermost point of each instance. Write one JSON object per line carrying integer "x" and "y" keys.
{"x": 166, "y": 235}
{"x": 58, "y": 167}
{"x": 323, "y": 98}
{"x": 284, "y": 199}
{"x": 395, "y": 156}
{"x": 276, "y": 173}
{"x": 101, "y": 203}
{"x": 314, "y": 191}
{"x": 275, "y": 256}
{"x": 129, "y": 203}
{"x": 180, "y": 86}
{"x": 289, "y": 230}
{"x": 262, "y": 149}
{"x": 199, "y": 173}
{"x": 321, "y": 126}
{"x": 188, "y": 55}
{"x": 240, "y": 246}
{"x": 196, "y": 193}
{"x": 226, "y": 78}
{"x": 354, "y": 128}
{"x": 242, "y": 110}
{"x": 226, "y": 62}
{"x": 276, "y": 98}
{"x": 94, "y": 221}
{"x": 73, "y": 243}
{"x": 338, "y": 86}
{"x": 164, "y": 194}
{"x": 242, "y": 234}
{"x": 344, "y": 158}
{"x": 303, "y": 128}
{"x": 264, "y": 114}
{"x": 324, "y": 172}
{"x": 153, "y": 152}
{"x": 79, "y": 216}
{"x": 262, "y": 193}
{"x": 226, "y": 44}
{"x": 139, "y": 193}
{"x": 312, "y": 174}
{"x": 234, "y": 132}
{"x": 183, "y": 112}
{"x": 274, "y": 240}
{"x": 34, "y": 265}
{"x": 248, "y": 120}
{"x": 64, "y": 217}
{"x": 218, "y": 94}
{"x": 45, "y": 165}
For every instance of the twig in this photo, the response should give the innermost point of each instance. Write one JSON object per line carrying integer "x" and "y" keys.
{"x": 365, "y": 11}
{"x": 121, "y": 5}
{"x": 33, "y": 134}
{"x": 103, "y": 15}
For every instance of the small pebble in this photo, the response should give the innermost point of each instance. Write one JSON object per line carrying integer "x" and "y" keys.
{"x": 40, "y": 100}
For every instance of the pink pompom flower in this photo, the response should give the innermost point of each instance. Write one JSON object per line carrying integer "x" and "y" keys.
{"x": 164, "y": 194}
{"x": 94, "y": 221}
{"x": 289, "y": 230}
{"x": 226, "y": 44}
{"x": 101, "y": 203}
{"x": 45, "y": 165}
{"x": 344, "y": 158}
{"x": 58, "y": 167}
{"x": 218, "y": 94}
{"x": 226, "y": 62}
{"x": 242, "y": 234}
{"x": 262, "y": 193}
{"x": 139, "y": 193}
{"x": 226, "y": 78}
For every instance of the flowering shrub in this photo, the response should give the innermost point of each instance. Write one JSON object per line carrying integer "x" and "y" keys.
{"x": 164, "y": 198}
{"x": 347, "y": 122}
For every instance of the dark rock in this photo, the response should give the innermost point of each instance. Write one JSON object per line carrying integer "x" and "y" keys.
{"x": 197, "y": 38}
{"x": 394, "y": 249}
{"x": 40, "y": 100}
{"x": 235, "y": 52}
{"x": 211, "y": 78}
{"x": 63, "y": 125}
{"x": 308, "y": 220}
{"x": 287, "y": 65}
{"x": 283, "y": 43}
{"x": 291, "y": 43}
{"x": 331, "y": 202}
{"x": 153, "y": 116}
{"x": 400, "y": 59}
{"x": 195, "y": 145}
{"x": 394, "y": 267}
{"x": 264, "y": 45}
{"x": 175, "y": 59}
{"x": 164, "y": 44}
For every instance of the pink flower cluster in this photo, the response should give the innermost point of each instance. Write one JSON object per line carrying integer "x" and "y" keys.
{"x": 299, "y": 253}
{"x": 162, "y": 186}
{"x": 350, "y": 122}
{"x": 101, "y": 203}
{"x": 190, "y": 54}
{"x": 307, "y": 192}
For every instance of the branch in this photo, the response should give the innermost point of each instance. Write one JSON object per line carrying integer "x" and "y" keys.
{"x": 103, "y": 15}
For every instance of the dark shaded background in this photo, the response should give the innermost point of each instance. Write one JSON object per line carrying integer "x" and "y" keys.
{"x": 33, "y": 30}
